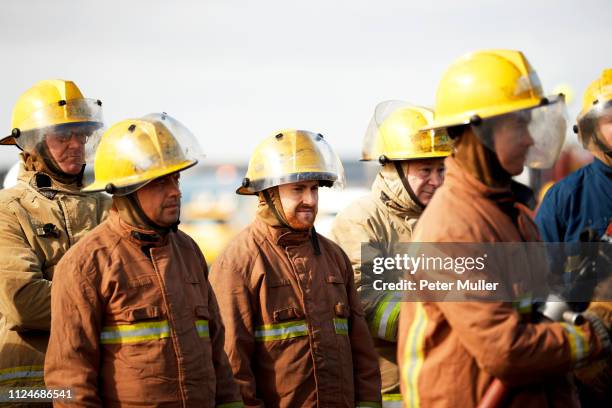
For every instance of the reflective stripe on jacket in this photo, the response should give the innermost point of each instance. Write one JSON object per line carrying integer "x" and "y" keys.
{"x": 295, "y": 331}
{"x": 136, "y": 322}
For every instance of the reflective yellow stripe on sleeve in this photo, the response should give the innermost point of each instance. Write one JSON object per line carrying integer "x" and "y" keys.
{"x": 392, "y": 401}
{"x": 385, "y": 319}
{"x": 21, "y": 373}
{"x": 413, "y": 356}
{"x": 579, "y": 345}
{"x": 202, "y": 328}
{"x": 231, "y": 405}
{"x": 367, "y": 404}
{"x": 133, "y": 333}
{"x": 341, "y": 326}
{"x": 281, "y": 331}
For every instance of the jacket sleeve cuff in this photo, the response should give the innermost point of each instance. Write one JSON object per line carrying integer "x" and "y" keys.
{"x": 385, "y": 318}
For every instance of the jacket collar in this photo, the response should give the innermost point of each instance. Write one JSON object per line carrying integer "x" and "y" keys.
{"x": 281, "y": 236}
{"x": 388, "y": 189}
{"x": 45, "y": 184}
{"x": 137, "y": 235}
{"x": 457, "y": 177}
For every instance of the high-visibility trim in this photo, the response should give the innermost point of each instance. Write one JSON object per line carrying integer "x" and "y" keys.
{"x": 202, "y": 328}
{"x": 281, "y": 331}
{"x": 367, "y": 404}
{"x": 579, "y": 345}
{"x": 236, "y": 404}
{"x": 386, "y": 317}
{"x": 413, "y": 357}
{"x": 21, "y": 373}
{"x": 341, "y": 326}
{"x": 133, "y": 333}
{"x": 523, "y": 304}
{"x": 392, "y": 401}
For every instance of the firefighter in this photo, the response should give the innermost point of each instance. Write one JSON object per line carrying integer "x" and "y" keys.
{"x": 296, "y": 332}
{"x": 134, "y": 320}
{"x": 584, "y": 200}
{"x": 41, "y": 217}
{"x": 412, "y": 168}
{"x": 492, "y": 104}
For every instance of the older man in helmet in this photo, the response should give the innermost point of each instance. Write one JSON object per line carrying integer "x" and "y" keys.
{"x": 41, "y": 217}
{"x": 134, "y": 320}
{"x": 296, "y": 334}
{"x": 492, "y": 103}
{"x": 412, "y": 170}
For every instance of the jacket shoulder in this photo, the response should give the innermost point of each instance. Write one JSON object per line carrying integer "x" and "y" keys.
{"x": 9, "y": 195}
{"x": 363, "y": 214}
{"x": 98, "y": 244}
{"x": 242, "y": 249}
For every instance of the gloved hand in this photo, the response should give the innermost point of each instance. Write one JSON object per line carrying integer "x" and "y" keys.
{"x": 598, "y": 374}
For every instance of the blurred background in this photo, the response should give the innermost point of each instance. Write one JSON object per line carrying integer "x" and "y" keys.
{"x": 237, "y": 71}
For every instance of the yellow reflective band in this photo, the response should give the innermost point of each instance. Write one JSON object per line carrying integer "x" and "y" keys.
{"x": 523, "y": 304}
{"x": 392, "y": 401}
{"x": 367, "y": 404}
{"x": 133, "y": 333}
{"x": 202, "y": 328}
{"x": 341, "y": 326}
{"x": 281, "y": 331}
{"x": 578, "y": 345}
{"x": 21, "y": 373}
{"x": 414, "y": 356}
{"x": 231, "y": 405}
{"x": 386, "y": 317}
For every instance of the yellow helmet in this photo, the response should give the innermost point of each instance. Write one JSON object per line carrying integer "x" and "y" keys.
{"x": 395, "y": 133}
{"x": 52, "y": 105}
{"x": 291, "y": 156}
{"x": 596, "y": 103}
{"x": 487, "y": 88}
{"x": 135, "y": 152}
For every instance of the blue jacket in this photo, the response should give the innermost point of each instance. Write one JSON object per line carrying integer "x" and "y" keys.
{"x": 581, "y": 200}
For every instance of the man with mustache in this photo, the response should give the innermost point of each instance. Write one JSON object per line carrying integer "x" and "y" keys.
{"x": 412, "y": 168}
{"x": 296, "y": 333}
{"x": 41, "y": 217}
{"x": 134, "y": 320}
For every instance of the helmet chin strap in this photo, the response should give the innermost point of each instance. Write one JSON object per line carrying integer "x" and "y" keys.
{"x": 402, "y": 176}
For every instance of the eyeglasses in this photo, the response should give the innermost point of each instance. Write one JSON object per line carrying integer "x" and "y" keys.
{"x": 66, "y": 136}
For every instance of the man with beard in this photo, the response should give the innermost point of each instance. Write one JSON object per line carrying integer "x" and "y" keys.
{"x": 41, "y": 217}
{"x": 134, "y": 320}
{"x": 296, "y": 333}
{"x": 377, "y": 225}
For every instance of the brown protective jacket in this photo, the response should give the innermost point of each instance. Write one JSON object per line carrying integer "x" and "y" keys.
{"x": 295, "y": 331}
{"x": 40, "y": 219}
{"x": 450, "y": 352}
{"x": 135, "y": 322}
{"x": 379, "y": 222}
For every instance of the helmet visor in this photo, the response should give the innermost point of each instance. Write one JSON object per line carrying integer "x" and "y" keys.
{"x": 595, "y": 127}
{"x": 291, "y": 157}
{"x": 533, "y": 135}
{"x": 395, "y": 133}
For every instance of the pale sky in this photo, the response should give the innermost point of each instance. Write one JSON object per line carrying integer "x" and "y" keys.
{"x": 236, "y": 71}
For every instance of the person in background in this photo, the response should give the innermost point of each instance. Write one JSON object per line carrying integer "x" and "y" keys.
{"x": 42, "y": 217}
{"x": 412, "y": 169}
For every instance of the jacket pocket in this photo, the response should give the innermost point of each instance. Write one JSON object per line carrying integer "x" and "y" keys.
{"x": 289, "y": 313}
{"x": 341, "y": 322}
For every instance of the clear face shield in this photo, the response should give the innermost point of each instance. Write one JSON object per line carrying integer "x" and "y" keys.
{"x": 76, "y": 124}
{"x": 595, "y": 128}
{"x": 135, "y": 152}
{"x": 532, "y": 137}
{"x": 291, "y": 157}
{"x": 394, "y": 133}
